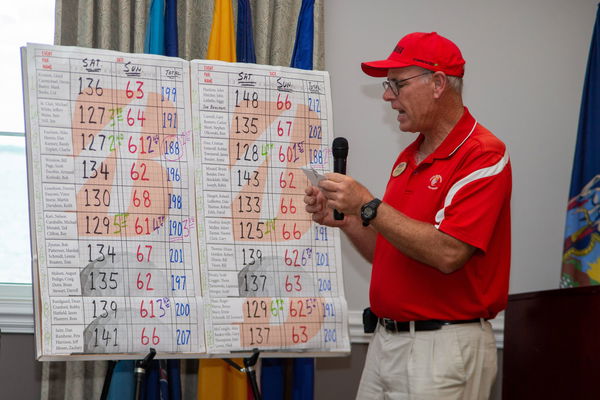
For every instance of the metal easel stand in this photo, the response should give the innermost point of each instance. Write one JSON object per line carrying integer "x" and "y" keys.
{"x": 139, "y": 374}
{"x": 250, "y": 371}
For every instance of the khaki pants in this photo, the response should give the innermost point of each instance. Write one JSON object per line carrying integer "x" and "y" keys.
{"x": 457, "y": 362}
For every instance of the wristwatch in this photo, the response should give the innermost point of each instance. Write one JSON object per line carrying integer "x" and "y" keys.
{"x": 369, "y": 211}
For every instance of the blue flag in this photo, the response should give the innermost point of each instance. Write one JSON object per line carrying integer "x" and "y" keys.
{"x": 245, "y": 39}
{"x": 171, "y": 37}
{"x": 155, "y": 29}
{"x": 302, "y": 57}
{"x": 581, "y": 257}
{"x": 174, "y": 373}
{"x": 151, "y": 387}
{"x": 304, "y": 379}
{"x": 272, "y": 378}
{"x": 122, "y": 381}
{"x": 276, "y": 385}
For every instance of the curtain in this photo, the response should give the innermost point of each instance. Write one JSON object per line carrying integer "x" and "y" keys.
{"x": 121, "y": 25}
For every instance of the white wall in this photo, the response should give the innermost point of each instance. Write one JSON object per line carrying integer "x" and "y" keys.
{"x": 524, "y": 77}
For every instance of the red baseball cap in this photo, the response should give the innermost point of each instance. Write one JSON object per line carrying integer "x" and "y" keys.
{"x": 427, "y": 50}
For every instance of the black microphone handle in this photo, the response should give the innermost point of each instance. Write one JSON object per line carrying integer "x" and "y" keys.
{"x": 339, "y": 166}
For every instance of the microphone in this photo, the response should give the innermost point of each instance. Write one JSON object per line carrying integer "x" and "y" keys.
{"x": 339, "y": 149}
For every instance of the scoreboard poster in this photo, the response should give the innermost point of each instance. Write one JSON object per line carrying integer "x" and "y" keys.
{"x": 166, "y": 207}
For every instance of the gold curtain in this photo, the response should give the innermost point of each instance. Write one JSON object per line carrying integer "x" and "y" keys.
{"x": 121, "y": 25}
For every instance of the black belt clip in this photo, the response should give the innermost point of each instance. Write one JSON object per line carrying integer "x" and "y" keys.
{"x": 369, "y": 320}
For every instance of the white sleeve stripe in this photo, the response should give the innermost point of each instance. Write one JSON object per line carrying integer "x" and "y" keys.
{"x": 476, "y": 175}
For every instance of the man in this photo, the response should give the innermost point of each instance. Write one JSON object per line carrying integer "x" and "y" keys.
{"x": 439, "y": 240}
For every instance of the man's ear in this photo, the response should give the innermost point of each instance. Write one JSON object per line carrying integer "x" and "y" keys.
{"x": 440, "y": 82}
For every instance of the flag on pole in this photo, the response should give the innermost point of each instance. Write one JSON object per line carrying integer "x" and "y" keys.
{"x": 245, "y": 38}
{"x": 171, "y": 37}
{"x": 272, "y": 378}
{"x": 122, "y": 381}
{"x": 217, "y": 380}
{"x": 155, "y": 29}
{"x": 174, "y": 377}
{"x": 581, "y": 257}
{"x": 221, "y": 45}
{"x": 151, "y": 386}
{"x": 303, "y": 387}
{"x": 302, "y": 57}
{"x": 287, "y": 378}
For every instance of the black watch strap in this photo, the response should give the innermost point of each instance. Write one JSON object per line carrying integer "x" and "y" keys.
{"x": 369, "y": 211}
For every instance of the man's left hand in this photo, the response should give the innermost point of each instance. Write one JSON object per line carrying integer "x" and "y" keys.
{"x": 344, "y": 194}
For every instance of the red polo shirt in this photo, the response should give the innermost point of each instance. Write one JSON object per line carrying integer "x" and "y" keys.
{"x": 463, "y": 188}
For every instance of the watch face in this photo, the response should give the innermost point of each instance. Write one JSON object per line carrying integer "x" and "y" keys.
{"x": 368, "y": 212}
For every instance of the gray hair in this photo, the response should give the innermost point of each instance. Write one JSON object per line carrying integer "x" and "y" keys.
{"x": 455, "y": 82}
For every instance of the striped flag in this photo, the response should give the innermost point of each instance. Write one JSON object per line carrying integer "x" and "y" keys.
{"x": 221, "y": 45}
{"x": 245, "y": 38}
{"x": 581, "y": 257}
{"x": 302, "y": 57}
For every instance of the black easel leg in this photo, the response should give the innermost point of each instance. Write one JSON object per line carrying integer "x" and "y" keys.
{"x": 250, "y": 363}
{"x": 139, "y": 372}
{"x": 108, "y": 379}
{"x": 248, "y": 368}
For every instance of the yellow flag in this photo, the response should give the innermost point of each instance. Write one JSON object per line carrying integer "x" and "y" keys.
{"x": 217, "y": 380}
{"x": 221, "y": 45}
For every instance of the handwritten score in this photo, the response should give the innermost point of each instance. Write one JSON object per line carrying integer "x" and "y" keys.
{"x": 166, "y": 207}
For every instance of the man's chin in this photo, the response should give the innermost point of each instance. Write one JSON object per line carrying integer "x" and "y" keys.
{"x": 407, "y": 128}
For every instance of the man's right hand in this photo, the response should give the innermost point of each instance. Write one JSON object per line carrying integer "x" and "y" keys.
{"x": 362, "y": 238}
{"x": 316, "y": 205}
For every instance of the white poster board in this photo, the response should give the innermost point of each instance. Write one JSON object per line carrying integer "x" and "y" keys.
{"x": 166, "y": 207}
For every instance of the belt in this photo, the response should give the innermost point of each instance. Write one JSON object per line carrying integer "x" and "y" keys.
{"x": 426, "y": 325}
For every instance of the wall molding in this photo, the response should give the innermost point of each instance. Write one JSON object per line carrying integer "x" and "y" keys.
{"x": 358, "y": 336}
{"x": 16, "y": 309}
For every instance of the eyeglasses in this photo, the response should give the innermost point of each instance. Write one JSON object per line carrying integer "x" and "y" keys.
{"x": 396, "y": 85}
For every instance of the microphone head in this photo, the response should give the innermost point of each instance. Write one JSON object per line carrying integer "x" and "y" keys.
{"x": 339, "y": 148}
